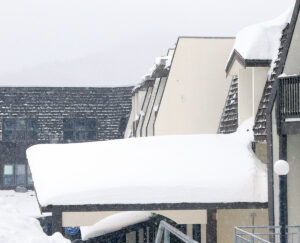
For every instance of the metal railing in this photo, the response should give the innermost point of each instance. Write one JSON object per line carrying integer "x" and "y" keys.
{"x": 167, "y": 229}
{"x": 265, "y": 234}
{"x": 289, "y": 96}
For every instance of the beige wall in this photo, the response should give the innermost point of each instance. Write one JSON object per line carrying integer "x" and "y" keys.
{"x": 261, "y": 152}
{"x": 157, "y": 100}
{"x": 227, "y": 219}
{"x": 143, "y": 110}
{"x": 137, "y": 102}
{"x": 149, "y": 109}
{"x": 251, "y": 83}
{"x": 90, "y": 218}
{"x": 293, "y": 141}
{"x": 245, "y": 97}
{"x": 128, "y": 130}
{"x": 259, "y": 78}
{"x": 196, "y": 87}
{"x": 293, "y": 158}
{"x": 292, "y": 62}
{"x": 275, "y": 158}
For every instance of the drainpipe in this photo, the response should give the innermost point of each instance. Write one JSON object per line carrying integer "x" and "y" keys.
{"x": 270, "y": 167}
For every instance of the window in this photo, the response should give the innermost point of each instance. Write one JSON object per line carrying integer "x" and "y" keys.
{"x": 19, "y": 129}
{"x": 20, "y": 174}
{"x": 8, "y": 177}
{"x": 80, "y": 129}
{"x": 15, "y": 175}
{"x": 29, "y": 176}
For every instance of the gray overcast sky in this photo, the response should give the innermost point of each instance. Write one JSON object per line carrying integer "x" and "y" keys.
{"x": 112, "y": 42}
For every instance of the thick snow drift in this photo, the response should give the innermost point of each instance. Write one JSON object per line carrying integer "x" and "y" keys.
{"x": 114, "y": 223}
{"x": 24, "y": 203}
{"x": 166, "y": 169}
{"x": 261, "y": 41}
{"x": 15, "y": 224}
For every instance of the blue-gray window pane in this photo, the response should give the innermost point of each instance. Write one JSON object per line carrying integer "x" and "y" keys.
{"x": 9, "y": 124}
{"x": 20, "y": 174}
{"x": 32, "y": 135}
{"x": 29, "y": 176}
{"x": 32, "y": 125}
{"x": 68, "y": 124}
{"x": 8, "y": 135}
{"x": 8, "y": 175}
{"x": 20, "y": 135}
{"x": 68, "y": 135}
{"x": 91, "y": 135}
{"x": 20, "y": 124}
{"x": 80, "y": 135}
{"x": 91, "y": 124}
{"x": 79, "y": 124}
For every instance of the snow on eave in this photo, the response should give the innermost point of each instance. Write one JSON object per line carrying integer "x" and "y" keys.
{"x": 180, "y": 168}
{"x": 236, "y": 56}
{"x": 159, "y": 69}
{"x": 260, "y": 41}
{"x": 114, "y": 223}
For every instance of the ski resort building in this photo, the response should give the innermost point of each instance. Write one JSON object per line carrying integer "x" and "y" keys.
{"x": 178, "y": 104}
{"x": 34, "y": 115}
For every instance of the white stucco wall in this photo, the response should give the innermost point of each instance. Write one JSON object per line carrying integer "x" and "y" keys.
{"x": 157, "y": 100}
{"x": 245, "y": 97}
{"x": 150, "y": 107}
{"x": 137, "y": 102}
{"x": 196, "y": 88}
{"x": 259, "y": 78}
{"x": 293, "y": 141}
{"x": 275, "y": 158}
{"x": 293, "y": 158}
{"x": 128, "y": 129}
{"x": 143, "y": 110}
{"x": 292, "y": 62}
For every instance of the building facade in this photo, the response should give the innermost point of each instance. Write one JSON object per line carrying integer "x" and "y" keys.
{"x": 31, "y": 116}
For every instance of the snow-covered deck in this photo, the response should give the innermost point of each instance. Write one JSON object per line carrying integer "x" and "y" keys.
{"x": 152, "y": 170}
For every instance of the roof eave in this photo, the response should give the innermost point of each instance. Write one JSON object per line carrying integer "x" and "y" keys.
{"x": 236, "y": 56}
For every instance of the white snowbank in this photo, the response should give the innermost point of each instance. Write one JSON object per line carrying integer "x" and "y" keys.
{"x": 163, "y": 169}
{"x": 114, "y": 223}
{"x": 15, "y": 224}
{"x": 25, "y": 203}
{"x": 261, "y": 41}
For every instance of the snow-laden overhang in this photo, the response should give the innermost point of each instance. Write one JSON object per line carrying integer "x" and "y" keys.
{"x": 257, "y": 45}
{"x": 152, "y": 170}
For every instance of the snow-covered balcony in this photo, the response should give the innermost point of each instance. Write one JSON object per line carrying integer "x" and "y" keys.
{"x": 288, "y": 104}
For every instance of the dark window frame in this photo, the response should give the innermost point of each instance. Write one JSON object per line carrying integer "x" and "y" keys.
{"x": 30, "y": 129}
{"x": 80, "y": 129}
{"x": 15, "y": 184}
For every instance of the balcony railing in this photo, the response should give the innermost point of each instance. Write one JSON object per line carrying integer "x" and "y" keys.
{"x": 289, "y": 96}
{"x": 265, "y": 234}
{"x": 166, "y": 229}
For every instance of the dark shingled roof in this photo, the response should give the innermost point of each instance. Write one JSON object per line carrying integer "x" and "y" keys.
{"x": 260, "y": 132}
{"x": 229, "y": 118}
{"x": 49, "y": 105}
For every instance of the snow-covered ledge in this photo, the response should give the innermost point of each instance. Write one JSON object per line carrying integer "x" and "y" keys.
{"x": 166, "y": 169}
{"x": 181, "y": 172}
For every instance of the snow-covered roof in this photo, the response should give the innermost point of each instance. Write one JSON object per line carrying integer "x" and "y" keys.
{"x": 160, "y": 68}
{"x": 114, "y": 223}
{"x": 261, "y": 41}
{"x": 163, "y": 169}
